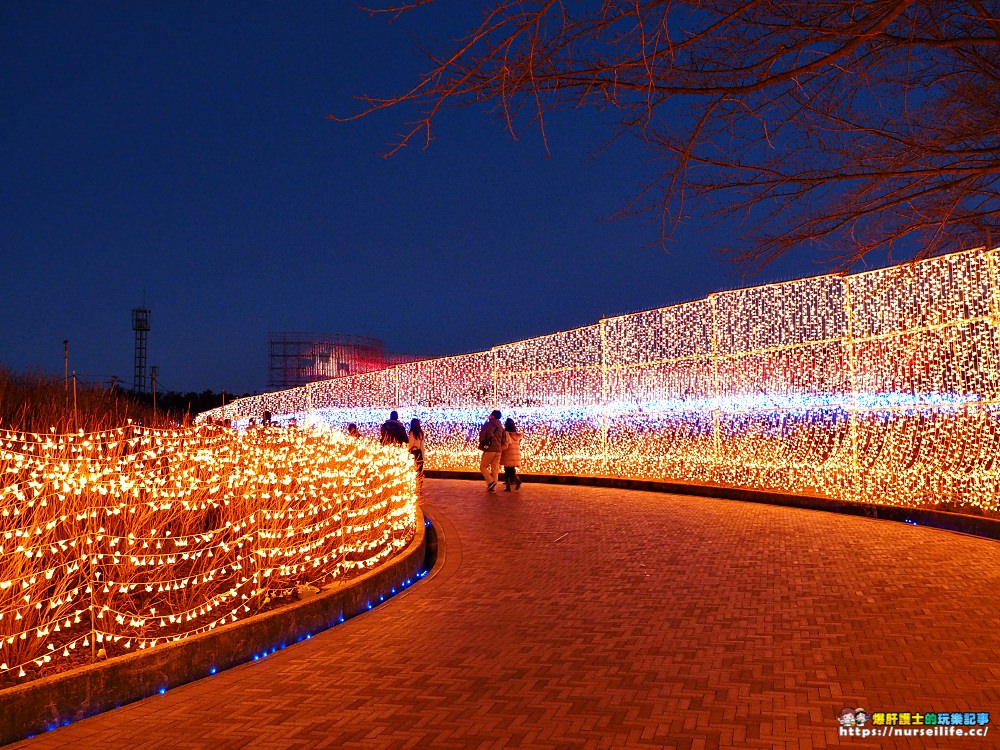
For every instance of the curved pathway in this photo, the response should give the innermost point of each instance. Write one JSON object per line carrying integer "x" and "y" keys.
{"x": 597, "y": 618}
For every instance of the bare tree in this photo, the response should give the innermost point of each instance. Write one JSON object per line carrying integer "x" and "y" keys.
{"x": 845, "y": 124}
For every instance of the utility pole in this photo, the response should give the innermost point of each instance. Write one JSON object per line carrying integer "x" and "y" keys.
{"x": 75, "y": 423}
{"x": 153, "y": 372}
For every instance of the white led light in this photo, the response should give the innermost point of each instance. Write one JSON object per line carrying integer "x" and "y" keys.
{"x": 878, "y": 387}
{"x": 130, "y": 537}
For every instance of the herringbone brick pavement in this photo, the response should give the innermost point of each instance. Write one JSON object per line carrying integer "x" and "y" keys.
{"x": 568, "y": 617}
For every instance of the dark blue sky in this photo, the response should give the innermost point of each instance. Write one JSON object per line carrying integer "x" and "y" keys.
{"x": 179, "y": 154}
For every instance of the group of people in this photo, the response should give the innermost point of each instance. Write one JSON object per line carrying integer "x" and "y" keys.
{"x": 499, "y": 441}
{"x": 393, "y": 432}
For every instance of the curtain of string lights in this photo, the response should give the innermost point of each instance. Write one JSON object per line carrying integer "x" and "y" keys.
{"x": 127, "y": 538}
{"x": 876, "y": 387}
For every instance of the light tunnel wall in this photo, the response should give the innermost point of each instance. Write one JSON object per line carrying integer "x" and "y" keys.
{"x": 880, "y": 386}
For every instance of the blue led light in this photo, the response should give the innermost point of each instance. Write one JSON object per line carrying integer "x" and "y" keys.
{"x": 650, "y": 410}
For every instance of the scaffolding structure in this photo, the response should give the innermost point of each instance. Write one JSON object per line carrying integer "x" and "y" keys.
{"x": 140, "y": 324}
{"x": 295, "y": 359}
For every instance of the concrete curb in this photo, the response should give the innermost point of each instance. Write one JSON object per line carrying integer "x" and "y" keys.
{"x": 51, "y": 702}
{"x": 981, "y": 526}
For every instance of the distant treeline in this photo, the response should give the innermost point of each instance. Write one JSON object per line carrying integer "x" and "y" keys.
{"x": 190, "y": 403}
{"x": 36, "y": 402}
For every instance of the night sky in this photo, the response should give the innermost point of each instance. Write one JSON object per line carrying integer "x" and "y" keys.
{"x": 180, "y": 156}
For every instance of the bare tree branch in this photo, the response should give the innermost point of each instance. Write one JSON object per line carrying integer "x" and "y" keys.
{"x": 847, "y": 125}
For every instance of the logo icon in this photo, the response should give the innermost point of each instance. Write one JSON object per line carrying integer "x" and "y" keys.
{"x": 853, "y": 717}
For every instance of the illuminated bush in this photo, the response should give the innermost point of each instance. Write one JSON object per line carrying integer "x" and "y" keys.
{"x": 131, "y": 537}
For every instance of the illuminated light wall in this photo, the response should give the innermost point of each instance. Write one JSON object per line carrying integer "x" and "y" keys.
{"x": 124, "y": 539}
{"x": 878, "y": 387}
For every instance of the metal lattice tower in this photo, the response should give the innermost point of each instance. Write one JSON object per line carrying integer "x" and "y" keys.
{"x": 295, "y": 359}
{"x": 140, "y": 324}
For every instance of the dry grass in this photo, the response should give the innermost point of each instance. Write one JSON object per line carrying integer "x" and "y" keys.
{"x": 34, "y": 402}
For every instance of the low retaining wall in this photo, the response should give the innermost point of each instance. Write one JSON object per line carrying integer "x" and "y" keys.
{"x": 51, "y": 702}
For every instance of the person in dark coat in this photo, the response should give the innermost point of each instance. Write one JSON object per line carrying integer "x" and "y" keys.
{"x": 393, "y": 432}
{"x": 491, "y": 443}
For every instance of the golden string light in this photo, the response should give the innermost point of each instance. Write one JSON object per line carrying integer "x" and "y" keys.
{"x": 882, "y": 386}
{"x": 128, "y": 538}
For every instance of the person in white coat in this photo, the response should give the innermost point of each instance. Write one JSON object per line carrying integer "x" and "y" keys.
{"x": 415, "y": 444}
{"x": 511, "y": 456}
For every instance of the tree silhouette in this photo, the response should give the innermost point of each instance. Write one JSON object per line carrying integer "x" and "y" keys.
{"x": 847, "y": 125}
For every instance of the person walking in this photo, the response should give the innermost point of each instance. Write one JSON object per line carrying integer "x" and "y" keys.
{"x": 393, "y": 432}
{"x": 416, "y": 446}
{"x": 491, "y": 436}
{"x": 510, "y": 457}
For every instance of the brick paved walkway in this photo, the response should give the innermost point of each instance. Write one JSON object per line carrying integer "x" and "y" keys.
{"x": 581, "y": 617}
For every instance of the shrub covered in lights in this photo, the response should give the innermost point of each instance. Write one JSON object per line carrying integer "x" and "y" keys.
{"x": 882, "y": 387}
{"x": 131, "y": 537}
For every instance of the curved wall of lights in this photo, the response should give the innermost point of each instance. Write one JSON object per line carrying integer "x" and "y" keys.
{"x": 123, "y": 539}
{"x": 880, "y": 386}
